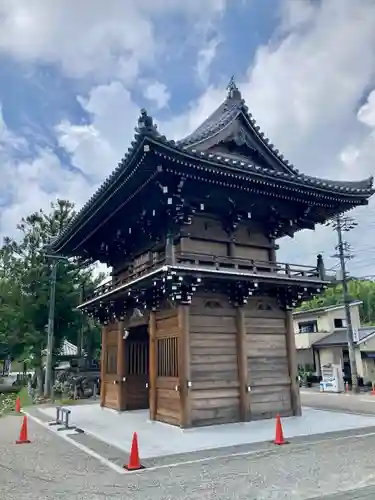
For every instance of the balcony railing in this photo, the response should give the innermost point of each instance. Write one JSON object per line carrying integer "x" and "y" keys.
{"x": 203, "y": 262}
{"x": 246, "y": 265}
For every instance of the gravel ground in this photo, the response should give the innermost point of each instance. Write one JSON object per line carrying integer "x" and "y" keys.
{"x": 50, "y": 469}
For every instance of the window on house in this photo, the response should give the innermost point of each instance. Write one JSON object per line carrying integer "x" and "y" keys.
{"x": 308, "y": 327}
{"x": 339, "y": 323}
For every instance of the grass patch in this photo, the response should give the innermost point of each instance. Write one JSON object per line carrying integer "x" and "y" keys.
{"x": 26, "y": 400}
{"x": 8, "y": 401}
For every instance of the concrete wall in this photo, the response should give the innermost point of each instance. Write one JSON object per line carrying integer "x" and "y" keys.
{"x": 325, "y": 323}
{"x": 331, "y": 355}
{"x": 368, "y": 370}
{"x": 368, "y": 345}
{"x": 359, "y": 362}
{"x": 305, "y": 357}
{"x": 306, "y": 340}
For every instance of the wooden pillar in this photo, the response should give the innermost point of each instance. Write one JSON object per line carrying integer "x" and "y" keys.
{"x": 272, "y": 251}
{"x": 232, "y": 247}
{"x": 121, "y": 368}
{"x": 152, "y": 365}
{"x": 292, "y": 364}
{"x": 184, "y": 364}
{"x": 103, "y": 365}
{"x": 242, "y": 365}
{"x": 170, "y": 258}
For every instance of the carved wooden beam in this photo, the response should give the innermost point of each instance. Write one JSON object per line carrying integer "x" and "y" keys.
{"x": 239, "y": 292}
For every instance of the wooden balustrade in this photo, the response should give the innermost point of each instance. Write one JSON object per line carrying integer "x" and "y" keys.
{"x": 201, "y": 261}
{"x": 245, "y": 265}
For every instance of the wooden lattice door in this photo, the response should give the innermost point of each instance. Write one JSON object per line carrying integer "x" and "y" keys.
{"x": 168, "y": 400}
{"x": 137, "y": 363}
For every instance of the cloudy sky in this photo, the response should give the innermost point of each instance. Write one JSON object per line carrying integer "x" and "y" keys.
{"x": 73, "y": 75}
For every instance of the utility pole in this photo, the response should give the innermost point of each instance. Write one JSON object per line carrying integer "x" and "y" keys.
{"x": 80, "y": 333}
{"x": 343, "y": 224}
{"x": 51, "y": 323}
{"x": 51, "y": 328}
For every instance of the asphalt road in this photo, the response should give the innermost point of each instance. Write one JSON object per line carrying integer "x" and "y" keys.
{"x": 51, "y": 469}
{"x": 353, "y": 403}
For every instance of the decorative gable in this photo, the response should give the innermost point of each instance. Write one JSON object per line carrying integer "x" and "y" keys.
{"x": 231, "y": 131}
{"x": 239, "y": 143}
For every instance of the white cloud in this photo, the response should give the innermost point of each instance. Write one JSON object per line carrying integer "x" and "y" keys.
{"x": 366, "y": 113}
{"x": 304, "y": 88}
{"x": 91, "y": 37}
{"x": 104, "y": 43}
{"x": 97, "y": 148}
{"x": 206, "y": 56}
{"x": 33, "y": 185}
{"x": 157, "y": 93}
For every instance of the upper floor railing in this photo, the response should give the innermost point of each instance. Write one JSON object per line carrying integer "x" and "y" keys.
{"x": 200, "y": 261}
{"x": 246, "y": 265}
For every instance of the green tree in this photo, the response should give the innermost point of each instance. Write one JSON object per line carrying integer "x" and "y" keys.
{"x": 363, "y": 290}
{"x": 27, "y": 271}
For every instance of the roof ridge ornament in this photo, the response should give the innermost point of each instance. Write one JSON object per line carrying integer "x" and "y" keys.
{"x": 146, "y": 123}
{"x": 233, "y": 91}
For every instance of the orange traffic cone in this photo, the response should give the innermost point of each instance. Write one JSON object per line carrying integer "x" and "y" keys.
{"x": 18, "y": 405}
{"x": 23, "y": 434}
{"x": 279, "y": 438}
{"x": 134, "y": 462}
{"x": 373, "y": 389}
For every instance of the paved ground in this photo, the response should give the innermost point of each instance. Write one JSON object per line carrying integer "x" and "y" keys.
{"x": 51, "y": 469}
{"x": 354, "y": 403}
{"x": 158, "y": 440}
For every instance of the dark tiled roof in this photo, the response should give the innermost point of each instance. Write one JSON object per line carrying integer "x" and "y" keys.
{"x": 338, "y": 337}
{"x": 365, "y": 331}
{"x": 226, "y": 113}
{"x": 229, "y": 111}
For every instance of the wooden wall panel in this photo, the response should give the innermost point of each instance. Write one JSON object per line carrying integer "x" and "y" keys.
{"x": 204, "y": 247}
{"x": 252, "y": 253}
{"x": 207, "y": 226}
{"x": 109, "y": 387}
{"x": 111, "y": 394}
{"x": 249, "y": 233}
{"x": 206, "y": 236}
{"x": 168, "y": 400}
{"x": 267, "y": 359}
{"x": 214, "y": 397}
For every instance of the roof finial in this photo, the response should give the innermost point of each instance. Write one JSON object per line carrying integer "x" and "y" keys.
{"x": 145, "y": 122}
{"x": 232, "y": 89}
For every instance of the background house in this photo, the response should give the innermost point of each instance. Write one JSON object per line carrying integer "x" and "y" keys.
{"x": 321, "y": 339}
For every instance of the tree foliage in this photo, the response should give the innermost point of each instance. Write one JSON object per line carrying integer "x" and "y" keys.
{"x": 363, "y": 290}
{"x": 25, "y": 274}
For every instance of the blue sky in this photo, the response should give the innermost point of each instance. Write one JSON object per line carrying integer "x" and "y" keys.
{"x": 73, "y": 76}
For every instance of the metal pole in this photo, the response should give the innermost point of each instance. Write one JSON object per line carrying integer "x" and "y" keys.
{"x": 80, "y": 333}
{"x": 349, "y": 329}
{"x": 51, "y": 324}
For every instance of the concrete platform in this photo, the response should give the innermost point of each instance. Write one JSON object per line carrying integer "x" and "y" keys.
{"x": 157, "y": 439}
